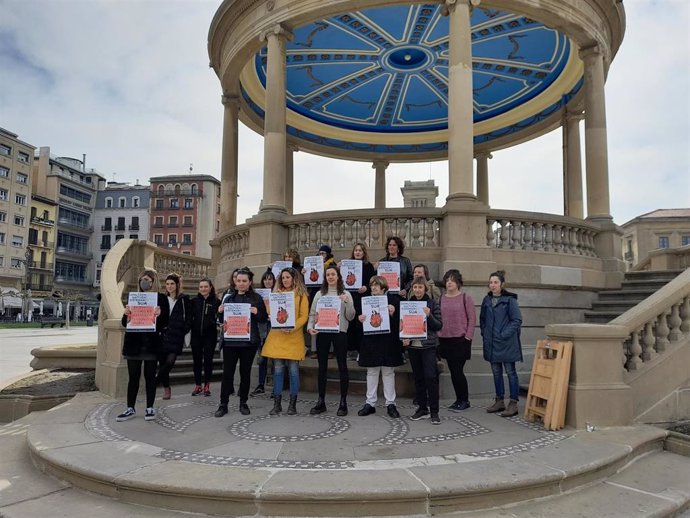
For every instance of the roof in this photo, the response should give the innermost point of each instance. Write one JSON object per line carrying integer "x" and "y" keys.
{"x": 661, "y": 214}
{"x": 184, "y": 178}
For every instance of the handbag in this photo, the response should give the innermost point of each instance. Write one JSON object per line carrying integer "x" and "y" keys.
{"x": 188, "y": 336}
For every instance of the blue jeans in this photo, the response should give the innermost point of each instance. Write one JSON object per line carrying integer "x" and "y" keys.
{"x": 293, "y": 371}
{"x": 513, "y": 382}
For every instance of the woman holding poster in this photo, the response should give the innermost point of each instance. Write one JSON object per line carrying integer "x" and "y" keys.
{"x": 179, "y": 324}
{"x": 204, "y": 335}
{"x": 329, "y": 317}
{"x": 142, "y": 346}
{"x": 243, "y": 311}
{"x": 380, "y": 352}
{"x": 268, "y": 281}
{"x": 286, "y": 345}
{"x": 423, "y": 349}
{"x": 394, "y": 252}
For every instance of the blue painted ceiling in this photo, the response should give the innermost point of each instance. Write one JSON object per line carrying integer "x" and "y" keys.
{"x": 385, "y": 70}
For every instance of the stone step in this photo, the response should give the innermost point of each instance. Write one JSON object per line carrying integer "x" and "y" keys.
{"x": 663, "y": 275}
{"x": 600, "y": 317}
{"x": 619, "y": 306}
{"x": 637, "y": 294}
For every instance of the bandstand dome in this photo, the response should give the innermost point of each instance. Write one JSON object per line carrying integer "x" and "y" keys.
{"x": 369, "y": 79}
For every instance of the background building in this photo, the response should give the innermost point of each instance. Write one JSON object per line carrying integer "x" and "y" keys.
{"x": 419, "y": 194}
{"x": 41, "y": 246}
{"x": 16, "y": 159}
{"x": 185, "y": 213}
{"x": 662, "y": 228}
{"x": 74, "y": 188}
{"x": 122, "y": 211}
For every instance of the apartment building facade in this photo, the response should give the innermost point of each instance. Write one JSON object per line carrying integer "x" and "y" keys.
{"x": 185, "y": 213}
{"x": 41, "y": 246}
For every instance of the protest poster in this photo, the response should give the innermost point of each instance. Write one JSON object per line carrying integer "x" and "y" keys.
{"x": 282, "y": 310}
{"x": 351, "y": 271}
{"x": 313, "y": 270}
{"x": 412, "y": 320}
{"x": 327, "y": 314}
{"x": 279, "y": 266}
{"x": 237, "y": 321}
{"x": 390, "y": 270}
{"x": 264, "y": 293}
{"x": 142, "y": 307}
{"x": 376, "y": 317}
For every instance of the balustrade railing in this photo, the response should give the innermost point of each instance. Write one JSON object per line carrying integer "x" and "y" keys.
{"x": 513, "y": 230}
{"x": 665, "y": 259}
{"x": 235, "y": 243}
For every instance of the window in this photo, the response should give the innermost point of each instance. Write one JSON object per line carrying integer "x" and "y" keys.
{"x": 177, "y": 189}
{"x": 159, "y": 204}
{"x": 19, "y": 221}
{"x": 135, "y": 202}
{"x": 684, "y": 240}
{"x": 161, "y": 190}
{"x": 4, "y": 194}
{"x": 218, "y": 209}
{"x": 134, "y": 236}
{"x": 70, "y": 271}
{"x": 187, "y": 221}
{"x": 105, "y": 243}
{"x": 33, "y": 236}
{"x": 2, "y": 261}
{"x": 217, "y": 226}
{"x": 4, "y": 172}
{"x": 22, "y": 178}
{"x": 23, "y": 157}
{"x": 120, "y": 224}
{"x": 2, "y": 238}
{"x": 194, "y": 188}
{"x": 20, "y": 199}
{"x": 108, "y": 203}
{"x": 16, "y": 263}
{"x": 158, "y": 239}
{"x": 77, "y": 195}
{"x": 174, "y": 203}
{"x": 172, "y": 239}
{"x": 17, "y": 241}
{"x": 72, "y": 244}
{"x": 187, "y": 239}
{"x": 135, "y": 223}
{"x": 108, "y": 224}
{"x": 3, "y": 217}
{"x": 186, "y": 252}
{"x": 5, "y": 150}
{"x": 122, "y": 202}
{"x": 663, "y": 241}
{"x": 158, "y": 221}
{"x": 73, "y": 218}
{"x": 119, "y": 236}
{"x": 172, "y": 222}
{"x": 188, "y": 203}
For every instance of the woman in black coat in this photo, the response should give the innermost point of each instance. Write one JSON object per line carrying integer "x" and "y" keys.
{"x": 178, "y": 326}
{"x": 142, "y": 347}
{"x": 204, "y": 335}
{"x": 354, "y": 331}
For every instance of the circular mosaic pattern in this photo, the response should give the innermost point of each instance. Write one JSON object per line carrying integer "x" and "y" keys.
{"x": 335, "y": 426}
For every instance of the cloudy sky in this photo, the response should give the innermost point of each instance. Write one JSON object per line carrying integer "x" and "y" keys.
{"x": 127, "y": 82}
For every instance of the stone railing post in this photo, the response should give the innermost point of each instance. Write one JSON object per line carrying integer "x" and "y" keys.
{"x": 597, "y": 393}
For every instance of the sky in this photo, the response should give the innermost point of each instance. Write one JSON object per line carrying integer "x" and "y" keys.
{"x": 127, "y": 83}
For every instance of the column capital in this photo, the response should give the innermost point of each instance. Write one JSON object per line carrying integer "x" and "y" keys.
{"x": 484, "y": 154}
{"x": 574, "y": 115}
{"x": 449, "y": 5}
{"x": 278, "y": 31}
{"x": 292, "y": 147}
{"x": 230, "y": 100}
{"x": 380, "y": 163}
{"x": 589, "y": 52}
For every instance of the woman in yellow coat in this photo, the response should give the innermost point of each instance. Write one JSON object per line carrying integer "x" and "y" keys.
{"x": 287, "y": 345}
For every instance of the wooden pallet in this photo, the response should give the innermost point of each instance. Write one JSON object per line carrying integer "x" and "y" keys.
{"x": 548, "y": 384}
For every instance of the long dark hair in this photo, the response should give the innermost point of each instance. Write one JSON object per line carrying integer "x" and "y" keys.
{"x": 399, "y": 242}
{"x": 212, "y": 291}
{"x": 268, "y": 274}
{"x": 178, "y": 284}
{"x": 365, "y": 257}
{"x": 340, "y": 287}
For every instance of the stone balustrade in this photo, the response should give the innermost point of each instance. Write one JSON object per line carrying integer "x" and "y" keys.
{"x": 533, "y": 231}
{"x": 235, "y": 243}
{"x": 665, "y": 259}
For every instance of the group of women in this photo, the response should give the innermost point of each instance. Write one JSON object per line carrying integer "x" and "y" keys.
{"x": 450, "y": 326}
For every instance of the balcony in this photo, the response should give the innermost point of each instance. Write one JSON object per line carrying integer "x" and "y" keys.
{"x": 106, "y": 246}
{"x": 40, "y": 221}
{"x": 106, "y": 228}
{"x": 119, "y": 228}
{"x": 190, "y": 242}
{"x": 173, "y": 225}
{"x": 74, "y": 252}
{"x": 39, "y": 287}
{"x": 182, "y": 192}
{"x": 134, "y": 227}
{"x": 38, "y": 265}
{"x": 74, "y": 225}
{"x": 41, "y": 244}
{"x": 158, "y": 225}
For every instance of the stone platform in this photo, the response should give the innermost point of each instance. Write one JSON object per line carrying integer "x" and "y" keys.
{"x": 303, "y": 465}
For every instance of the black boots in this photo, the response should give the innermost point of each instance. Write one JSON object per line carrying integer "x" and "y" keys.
{"x": 342, "y": 408}
{"x": 277, "y": 407}
{"x": 319, "y": 408}
{"x": 292, "y": 406}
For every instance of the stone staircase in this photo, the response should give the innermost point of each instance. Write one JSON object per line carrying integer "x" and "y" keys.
{"x": 636, "y": 287}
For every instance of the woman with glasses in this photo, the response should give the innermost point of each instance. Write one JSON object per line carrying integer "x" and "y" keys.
{"x": 286, "y": 346}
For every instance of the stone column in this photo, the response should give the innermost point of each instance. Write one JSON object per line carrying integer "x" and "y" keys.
{"x": 380, "y": 186}
{"x": 275, "y": 139}
{"x": 290, "y": 177}
{"x": 596, "y": 151}
{"x": 460, "y": 106}
{"x": 483, "y": 177}
{"x": 574, "y": 206}
{"x": 228, "y": 168}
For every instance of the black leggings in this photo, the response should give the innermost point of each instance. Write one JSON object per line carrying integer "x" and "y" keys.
{"x": 231, "y": 355}
{"x": 166, "y": 363}
{"x": 203, "y": 349}
{"x": 323, "y": 346}
{"x": 134, "y": 370}
{"x": 457, "y": 351}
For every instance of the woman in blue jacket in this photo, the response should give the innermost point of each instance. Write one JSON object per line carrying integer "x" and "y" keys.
{"x": 500, "y": 320}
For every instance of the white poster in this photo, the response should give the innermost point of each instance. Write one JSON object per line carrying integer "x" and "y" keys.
{"x": 376, "y": 318}
{"x": 237, "y": 321}
{"x": 282, "y": 310}
{"x": 412, "y": 320}
{"x": 313, "y": 270}
{"x": 142, "y": 307}
{"x": 265, "y": 293}
{"x": 351, "y": 271}
{"x": 327, "y": 314}
{"x": 390, "y": 270}
{"x": 278, "y": 267}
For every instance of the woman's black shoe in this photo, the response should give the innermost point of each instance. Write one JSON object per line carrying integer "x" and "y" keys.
{"x": 222, "y": 410}
{"x": 319, "y": 408}
{"x": 367, "y": 409}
